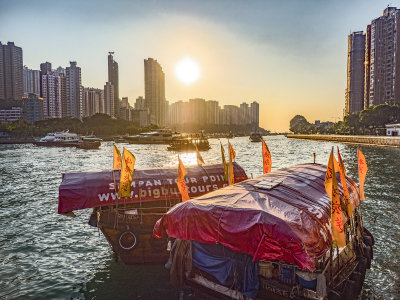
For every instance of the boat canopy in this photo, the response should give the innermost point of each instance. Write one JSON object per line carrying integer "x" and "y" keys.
{"x": 100, "y": 188}
{"x": 280, "y": 216}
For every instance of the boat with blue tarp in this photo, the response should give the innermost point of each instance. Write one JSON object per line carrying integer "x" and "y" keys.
{"x": 269, "y": 238}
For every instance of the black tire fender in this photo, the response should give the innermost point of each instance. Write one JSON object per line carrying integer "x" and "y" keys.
{"x": 368, "y": 233}
{"x": 349, "y": 290}
{"x": 367, "y": 253}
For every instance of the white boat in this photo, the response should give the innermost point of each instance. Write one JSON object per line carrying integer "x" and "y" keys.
{"x": 159, "y": 136}
{"x": 59, "y": 138}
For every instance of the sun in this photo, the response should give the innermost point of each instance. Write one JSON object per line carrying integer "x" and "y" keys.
{"x": 187, "y": 71}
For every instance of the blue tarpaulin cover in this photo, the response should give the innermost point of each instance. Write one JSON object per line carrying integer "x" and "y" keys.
{"x": 224, "y": 264}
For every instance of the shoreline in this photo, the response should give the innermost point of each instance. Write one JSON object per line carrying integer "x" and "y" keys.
{"x": 387, "y": 141}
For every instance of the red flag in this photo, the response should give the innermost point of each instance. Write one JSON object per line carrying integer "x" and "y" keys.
{"x": 362, "y": 171}
{"x": 267, "y": 162}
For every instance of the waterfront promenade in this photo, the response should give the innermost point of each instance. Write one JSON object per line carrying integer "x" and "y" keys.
{"x": 391, "y": 141}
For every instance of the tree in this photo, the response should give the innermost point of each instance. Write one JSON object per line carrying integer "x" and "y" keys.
{"x": 299, "y": 124}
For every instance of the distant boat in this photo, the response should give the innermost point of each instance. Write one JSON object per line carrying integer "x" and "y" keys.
{"x": 67, "y": 139}
{"x": 91, "y": 138}
{"x": 189, "y": 144}
{"x": 159, "y": 136}
{"x": 255, "y": 137}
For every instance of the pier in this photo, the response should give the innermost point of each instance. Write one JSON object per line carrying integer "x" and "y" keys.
{"x": 352, "y": 139}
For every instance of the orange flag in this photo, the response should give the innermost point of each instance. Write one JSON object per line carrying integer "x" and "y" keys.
{"x": 200, "y": 160}
{"x": 181, "y": 181}
{"x": 267, "y": 162}
{"x": 362, "y": 171}
{"x": 336, "y": 164}
{"x": 346, "y": 194}
{"x": 117, "y": 158}
{"x": 128, "y": 165}
{"x": 232, "y": 155}
{"x": 336, "y": 211}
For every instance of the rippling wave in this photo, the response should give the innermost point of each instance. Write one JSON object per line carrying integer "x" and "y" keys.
{"x": 47, "y": 256}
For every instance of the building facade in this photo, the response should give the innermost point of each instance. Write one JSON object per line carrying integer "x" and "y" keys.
{"x": 93, "y": 101}
{"x": 11, "y": 72}
{"x": 32, "y": 108}
{"x": 109, "y": 99}
{"x": 383, "y": 59}
{"x": 255, "y": 114}
{"x": 355, "y": 72}
{"x": 114, "y": 80}
{"x": 74, "y": 91}
{"x": 201, "y": 112}
{"x": 51, "y": 91}
{"x": 31, "y": 81}
{"x": 154, "y": 90}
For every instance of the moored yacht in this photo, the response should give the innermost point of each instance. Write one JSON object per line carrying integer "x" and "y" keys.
{"x": 159, "y": 136}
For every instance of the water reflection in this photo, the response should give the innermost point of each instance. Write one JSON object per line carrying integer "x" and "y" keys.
{"x": 44, "y": 255}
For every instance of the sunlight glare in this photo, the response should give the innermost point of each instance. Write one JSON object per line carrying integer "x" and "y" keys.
{"x": 187, "y": 71}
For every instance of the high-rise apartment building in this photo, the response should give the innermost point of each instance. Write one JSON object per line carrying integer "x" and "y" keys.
{"x": 154, "y": 90}
{"x": 140, "y": 103}
{"x": 255, "y": 114}
{"x": 113, "y": 79}
{"x": 197, "y": 111}
{"x": 51, "y": 90}
{"x": 94, "y": 101}
{"x": 245, "y": 113}
{"x": 355, "y": 72}
{"x": 74, "y": 91}
{"x": 31, "y": 81}
{"x": 384, "y": 59}
{"x": 11, "y": 72}
{"x": 109, "y": 99}
{"x": 32, "y": 108}
{"x": 212, "y": 112}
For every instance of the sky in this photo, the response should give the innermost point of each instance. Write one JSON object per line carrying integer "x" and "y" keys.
{"x": 289, "y": 56}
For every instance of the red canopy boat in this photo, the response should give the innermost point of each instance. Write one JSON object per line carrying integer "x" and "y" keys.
{"x": 128, "y": 223}
{"x": 282, "y": 221}
{"x": 283, "y": 215}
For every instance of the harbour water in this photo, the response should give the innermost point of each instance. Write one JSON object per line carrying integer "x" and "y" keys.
{"x": 47, "y": 256}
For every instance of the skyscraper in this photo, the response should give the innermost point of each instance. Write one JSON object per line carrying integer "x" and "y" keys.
{"x": 94, "y": 101}
{"x": 109, "y": 99}
{"x": 355, "y": 72}
{"x": 384, "y": 59}
{"x": 11, "y": 72}
{"x": 51, "y": 90}
{"x": 74, "y": 91}
{"x": 154, "y": 91}
{"x": 31, "y": 82}
{"x": 255, "y": 114}
{"x": 113, "y": 79}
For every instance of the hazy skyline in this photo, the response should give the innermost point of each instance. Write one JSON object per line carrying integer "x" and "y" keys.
{"x": 289, "y": 56}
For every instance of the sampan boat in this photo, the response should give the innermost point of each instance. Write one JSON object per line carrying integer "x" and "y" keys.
{"x": 268, "y": 238}
{"x": 128, "y": 223}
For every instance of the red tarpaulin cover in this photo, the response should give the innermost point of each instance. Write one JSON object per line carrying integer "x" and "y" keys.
{"x": 283, "y": 215}
{"x": 96, "y": 188}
